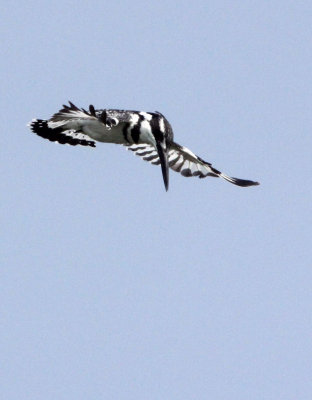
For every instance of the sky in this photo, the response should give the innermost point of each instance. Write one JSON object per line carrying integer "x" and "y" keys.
{"x": 113, "y": 288}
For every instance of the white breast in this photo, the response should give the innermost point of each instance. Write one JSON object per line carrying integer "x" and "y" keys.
{"x": 146, "y": 135}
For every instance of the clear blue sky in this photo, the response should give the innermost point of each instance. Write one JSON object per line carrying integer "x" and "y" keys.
{"x": 112, "y": 288}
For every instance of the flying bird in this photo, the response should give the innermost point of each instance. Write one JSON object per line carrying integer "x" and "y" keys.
{"x": 148, "y": 134}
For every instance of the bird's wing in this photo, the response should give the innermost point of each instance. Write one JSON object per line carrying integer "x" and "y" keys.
{"x": 146, "y": 151}
{"x": 183, "y": 160}
{"x": 40, "y": 127}
{"x": 71, "y": 117}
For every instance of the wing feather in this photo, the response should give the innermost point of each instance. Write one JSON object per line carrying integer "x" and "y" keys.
{"x": 71, "y": 117}
{"x": 72, "y": 137}
{"x": 183, "y": 160}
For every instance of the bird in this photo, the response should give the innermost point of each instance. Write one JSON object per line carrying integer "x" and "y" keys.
{"x": 149, "y": 135}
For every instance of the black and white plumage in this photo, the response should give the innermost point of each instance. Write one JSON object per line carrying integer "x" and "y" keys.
{"x": 148, "y": 134}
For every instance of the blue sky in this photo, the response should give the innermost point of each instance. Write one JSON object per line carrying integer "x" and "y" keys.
{"x": 113, "y": 288}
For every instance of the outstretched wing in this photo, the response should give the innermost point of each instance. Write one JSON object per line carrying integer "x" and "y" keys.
{"x": 40, "y": 127}
{"x": 183, "y": 160}
{"x": 72, "y": 117}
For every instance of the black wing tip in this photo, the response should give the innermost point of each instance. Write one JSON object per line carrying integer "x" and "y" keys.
{"x": 241, "y": 182}
{"x": 72, "y": 105}
{"x": 246, "y": 183}
{"x": 38, "y": 126}
{"x": 254, "y": 183}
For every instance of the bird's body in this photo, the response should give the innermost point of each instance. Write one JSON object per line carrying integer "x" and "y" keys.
{"x": 148, "y": 134}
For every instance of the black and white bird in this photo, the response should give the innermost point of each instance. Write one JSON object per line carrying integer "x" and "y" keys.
{"x": 148, "y": 134}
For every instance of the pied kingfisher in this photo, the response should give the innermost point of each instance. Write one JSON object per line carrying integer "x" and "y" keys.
{"x": 148, "y": 134}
